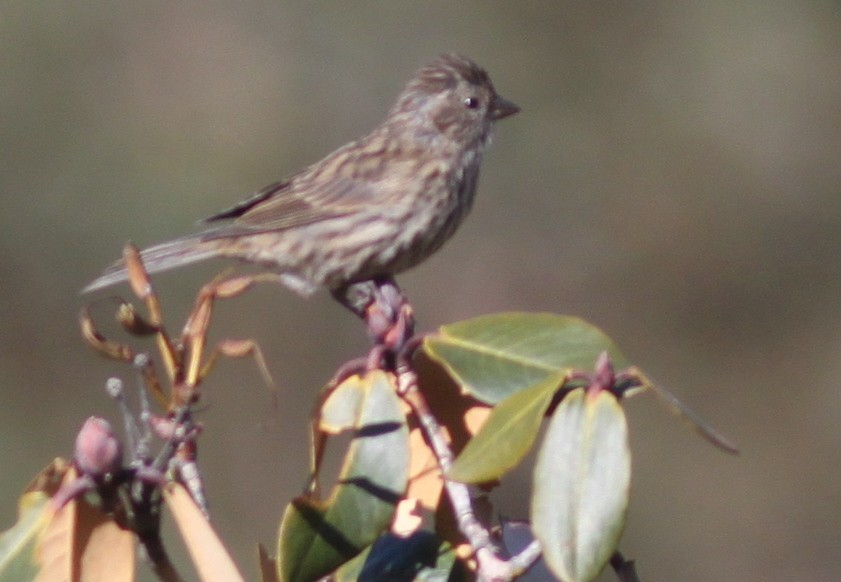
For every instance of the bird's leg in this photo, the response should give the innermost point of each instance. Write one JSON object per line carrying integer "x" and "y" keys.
{"x": 390, "y": 318}
{"x": 386, "y": 311}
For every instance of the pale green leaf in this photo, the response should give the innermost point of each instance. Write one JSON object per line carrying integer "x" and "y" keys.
{"x": 506, "y": 436}
{"x": 317, "y": 536}
{"x": 581, "y": 482}
{"x": 494, "y": 356}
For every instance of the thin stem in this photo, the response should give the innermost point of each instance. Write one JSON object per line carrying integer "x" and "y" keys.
{"x": 491, "y": 568}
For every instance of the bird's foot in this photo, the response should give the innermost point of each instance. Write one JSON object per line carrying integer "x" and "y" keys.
{"x": 387, "y": 314}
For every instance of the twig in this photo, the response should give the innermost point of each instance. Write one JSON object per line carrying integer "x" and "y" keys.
{"x": 524, "y": 560}
{"x": 491, "y": 568}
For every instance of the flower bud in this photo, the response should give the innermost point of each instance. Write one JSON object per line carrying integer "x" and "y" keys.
{"x": 98, "y": 452}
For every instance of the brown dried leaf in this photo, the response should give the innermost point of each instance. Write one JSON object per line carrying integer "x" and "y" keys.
{"x": 49, "y": 479}
{"x": 425, "y": 483}
{"x": 268, "y": 565}
{"x": 55, "y": 548}
{"x": 475, "y": 418}
{"x": 105, "y": 550}
{"x": 206, "y": 549}
{"x": 81, "y": 543}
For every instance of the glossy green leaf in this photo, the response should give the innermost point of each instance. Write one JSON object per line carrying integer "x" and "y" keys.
{"x": 494, "y": 356}
{"x": 506, "y": 436}
{"x": 581, "y": 481}
{"x": 317, "y": 536}
{"x": 18, "y": 544}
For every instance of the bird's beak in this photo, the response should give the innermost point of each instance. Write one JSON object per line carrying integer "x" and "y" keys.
{"x": 502, "y": 108}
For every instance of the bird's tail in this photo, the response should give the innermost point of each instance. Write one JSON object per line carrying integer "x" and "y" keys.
{"x": 162, "y": 257}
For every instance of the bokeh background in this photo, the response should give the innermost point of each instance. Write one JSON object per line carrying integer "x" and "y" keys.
{"x": 673, "y": 178}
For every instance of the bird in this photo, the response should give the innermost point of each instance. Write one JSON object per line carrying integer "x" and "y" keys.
{"x": 373, "y": 208}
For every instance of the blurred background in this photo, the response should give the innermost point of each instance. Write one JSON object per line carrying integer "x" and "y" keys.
{"x": 673, "y": 178}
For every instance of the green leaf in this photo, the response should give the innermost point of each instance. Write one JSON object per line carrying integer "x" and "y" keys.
{"x": 581, "y": 482}
{"x": 340, "y": 410}
{"x": 506, "y": 436}
{"x": 316, "y": 536}
{"x": 18, "y": 544}
{"x": 494, "y": 356}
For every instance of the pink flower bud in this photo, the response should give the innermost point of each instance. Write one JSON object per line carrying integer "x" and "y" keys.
{"x": 98, "y": 452}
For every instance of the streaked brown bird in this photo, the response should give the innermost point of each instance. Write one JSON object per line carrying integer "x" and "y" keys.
{"x": 374, "y": 207}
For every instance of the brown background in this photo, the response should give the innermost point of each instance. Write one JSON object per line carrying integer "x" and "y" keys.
{"x": 673, "y": 177}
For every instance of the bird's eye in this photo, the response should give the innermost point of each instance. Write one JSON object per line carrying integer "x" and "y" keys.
{"x": 471, "y": 103}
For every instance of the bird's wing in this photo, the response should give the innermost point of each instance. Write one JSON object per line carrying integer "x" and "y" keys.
{"x": 302, "y": 204}
{"x": 309, "y": 197}
{"x": 242, "y": 207}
